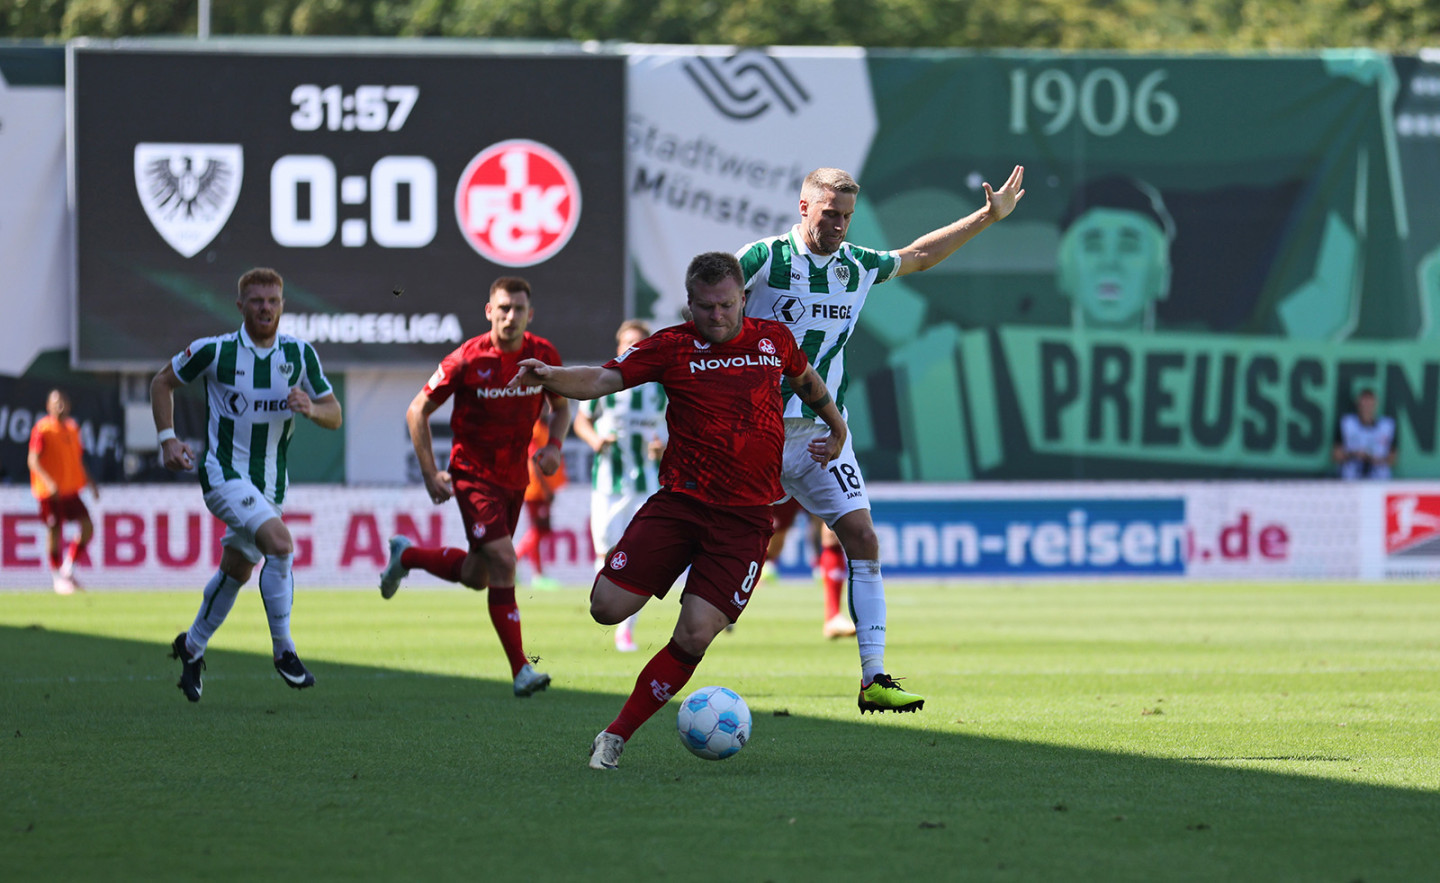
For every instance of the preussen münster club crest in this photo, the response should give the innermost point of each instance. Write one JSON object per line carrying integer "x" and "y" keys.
{"x": 188, "y": 190}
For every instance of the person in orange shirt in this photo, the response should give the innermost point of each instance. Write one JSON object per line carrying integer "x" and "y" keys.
{"x": 539, "y": 495}
{"x": 57, "y": 475}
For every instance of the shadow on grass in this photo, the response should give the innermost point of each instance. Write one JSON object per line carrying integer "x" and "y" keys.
{"x": 388, "y": 774}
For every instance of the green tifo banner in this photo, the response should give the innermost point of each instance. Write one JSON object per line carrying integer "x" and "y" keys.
{"x": 1214, "y": 253}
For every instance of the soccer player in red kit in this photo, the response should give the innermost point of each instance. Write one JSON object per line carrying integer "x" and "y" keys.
{"x": 492, "y": 423}
{"x": 719, "y": 474}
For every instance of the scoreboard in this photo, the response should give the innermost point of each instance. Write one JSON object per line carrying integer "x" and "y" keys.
{"x": 389, "y": 188}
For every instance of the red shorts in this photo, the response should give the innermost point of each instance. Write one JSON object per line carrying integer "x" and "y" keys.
{"x": 488, "y": 510}
{"x": 784, "y": 514}
{"x": 724, "y": 547}
{"x": 59, "y": 509}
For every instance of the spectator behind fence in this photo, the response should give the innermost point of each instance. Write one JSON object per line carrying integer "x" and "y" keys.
{"x": 1365, "y": 444}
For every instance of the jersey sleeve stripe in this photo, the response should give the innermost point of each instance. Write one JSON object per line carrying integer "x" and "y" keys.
{"x": 314, "y": 374}
{"x": 198, "y": 362}
{"x": 752, "y": 261}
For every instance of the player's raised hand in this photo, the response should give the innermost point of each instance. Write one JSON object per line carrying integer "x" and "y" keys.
{"x": 1000, "y": 203}
{"x": 532, "y": 373}
{"x": 177, "y": 455}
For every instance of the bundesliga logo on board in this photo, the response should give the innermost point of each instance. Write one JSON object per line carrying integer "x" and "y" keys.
{"x": 1412, "y": 524}
{"x": 518, "y": 203}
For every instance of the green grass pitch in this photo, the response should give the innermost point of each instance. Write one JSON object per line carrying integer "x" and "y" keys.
{"x": 1104, "y": 731}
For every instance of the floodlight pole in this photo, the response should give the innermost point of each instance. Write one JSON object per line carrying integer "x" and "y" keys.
{"x": 204, "y": 23}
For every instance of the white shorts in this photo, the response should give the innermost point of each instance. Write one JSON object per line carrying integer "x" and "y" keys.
{"x": 828, "y": 491}
{"x": 243, "y": 508}
{"x": 610, "y": 514}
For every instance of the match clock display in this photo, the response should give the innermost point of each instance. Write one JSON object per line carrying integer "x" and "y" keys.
{"x": 389, "y": 190}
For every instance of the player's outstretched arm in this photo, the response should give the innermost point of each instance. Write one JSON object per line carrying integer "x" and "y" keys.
{"x": 571, "y": 381}
{"x": 937, "y": 245}
{"x": 811, "y": 390}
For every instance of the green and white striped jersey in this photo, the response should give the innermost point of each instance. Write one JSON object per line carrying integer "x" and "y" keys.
{"x": 636, "y": 417}
{"x": 818, "y": 297}
{"x": 249, "y": 424}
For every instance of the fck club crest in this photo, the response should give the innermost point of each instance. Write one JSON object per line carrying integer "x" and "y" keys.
{"x": 518, "y": 203}
{"x": 188, "y": 190}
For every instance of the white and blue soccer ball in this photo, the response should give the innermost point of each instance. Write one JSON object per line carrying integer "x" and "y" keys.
{"x": 714, "y": 722}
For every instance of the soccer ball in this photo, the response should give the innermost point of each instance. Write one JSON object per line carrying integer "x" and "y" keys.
{"x": 714, "y": 722}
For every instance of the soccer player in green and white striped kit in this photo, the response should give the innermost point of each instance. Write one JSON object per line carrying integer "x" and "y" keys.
{"x": 627, "y": 432}
{"x": 816, "y": 283}
{"x": 256, "y": 381}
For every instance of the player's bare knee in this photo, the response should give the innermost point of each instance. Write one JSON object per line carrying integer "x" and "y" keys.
{"x": 694, "y": 638}
{"x": 474, "y": 574}
{"x": 856, "y": 533}
{"x": 609, "y": 604}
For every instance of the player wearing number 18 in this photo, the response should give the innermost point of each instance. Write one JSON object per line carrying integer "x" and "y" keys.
{"x": 816, "y": 283}
{"x": 718, "y": 476}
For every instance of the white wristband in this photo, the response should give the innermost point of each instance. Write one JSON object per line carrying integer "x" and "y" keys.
{"x": 164, "y": 435}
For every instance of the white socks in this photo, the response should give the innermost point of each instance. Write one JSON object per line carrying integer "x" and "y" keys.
{"x": 867, "y": 608}
{"x": 220, "y": 594}
{"x": 277, "y": 590}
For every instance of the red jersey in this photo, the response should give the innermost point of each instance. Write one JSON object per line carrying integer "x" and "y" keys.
{"x": 491, "y": 423}
{"x": 726, "y": 435}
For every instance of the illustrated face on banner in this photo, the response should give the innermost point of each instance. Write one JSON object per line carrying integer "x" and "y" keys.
{"x": 1114, "y": 264}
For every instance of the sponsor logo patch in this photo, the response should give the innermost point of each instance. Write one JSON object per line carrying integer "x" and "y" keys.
{"x": 747, "y": 85}
{"x": 1412, "y": 524}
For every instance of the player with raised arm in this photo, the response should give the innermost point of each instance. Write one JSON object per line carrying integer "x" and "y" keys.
{"x": 491, "y": 424}
{"x": 256, "y": 381}
{"x": 627, "y": 432}
{"x": 816, "y": 283}
{"x": 720, "y": 472}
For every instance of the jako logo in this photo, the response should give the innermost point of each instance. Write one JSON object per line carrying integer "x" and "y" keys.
{"x": 518, "y": 203}
{"x": 747, "y": 84}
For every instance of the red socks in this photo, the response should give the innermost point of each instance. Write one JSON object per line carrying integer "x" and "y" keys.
{"x": 663, "y": 676}
{"x": 832, "y": 573}
{"x": 444, "y": 563}
{"x": 505, "y": 616}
